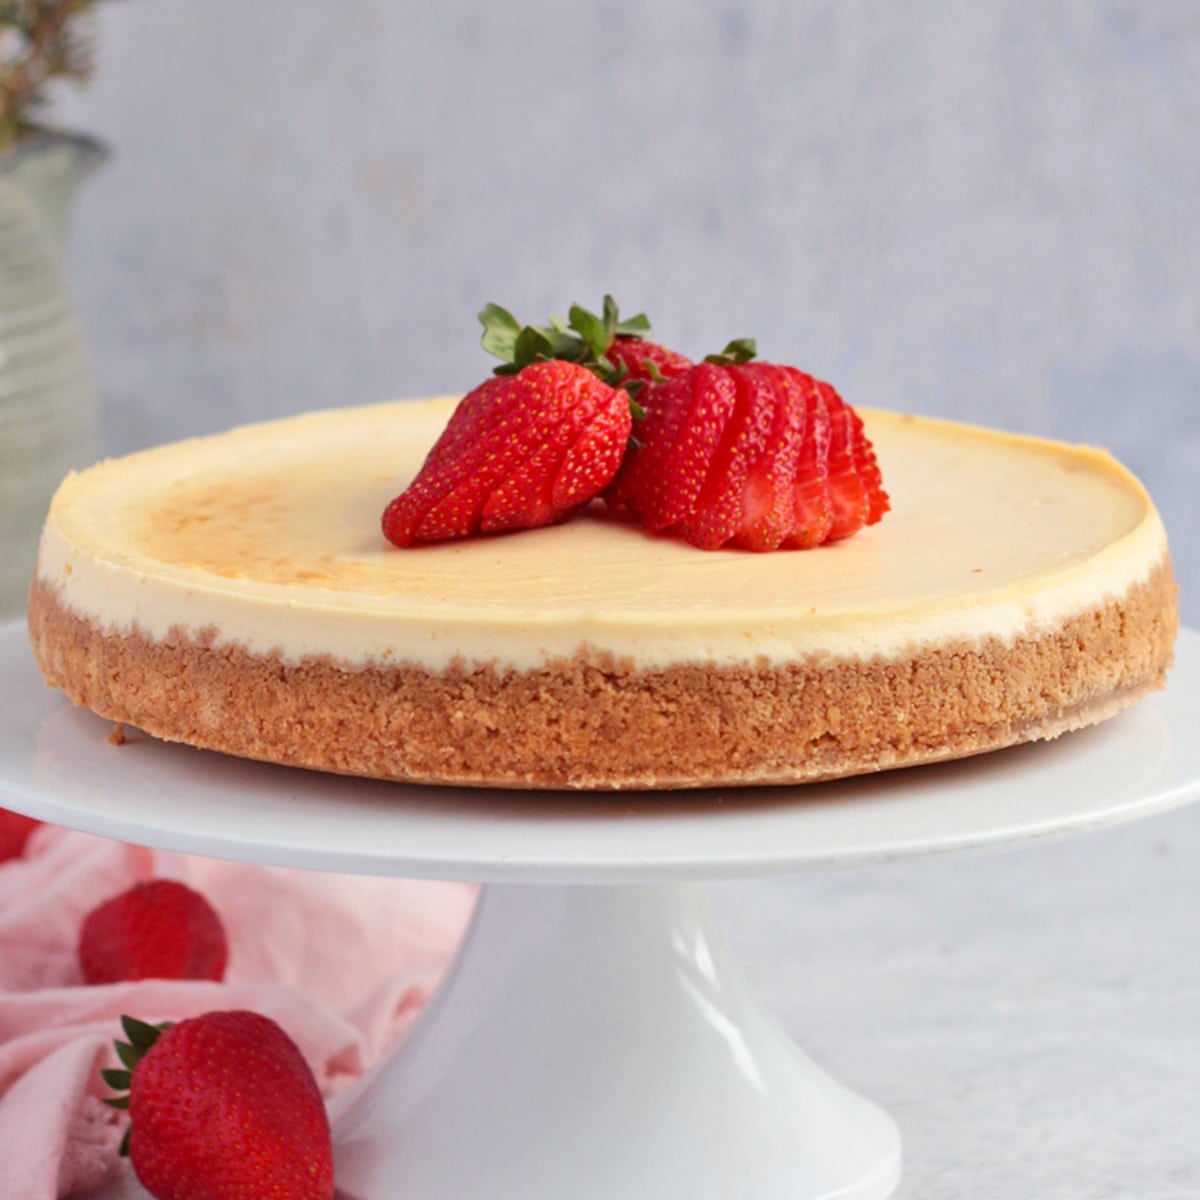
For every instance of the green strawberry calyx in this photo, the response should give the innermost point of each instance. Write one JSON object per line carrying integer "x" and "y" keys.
{"x": 141, "y": 1037}
{"x": 740, "y": 350}
{"x": 582, "y": 338}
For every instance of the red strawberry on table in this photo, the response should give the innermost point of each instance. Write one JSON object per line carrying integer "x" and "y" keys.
{"x": 222, "y": 1107}
{"x": 157, "y": 930}
{"x": 15, "y": 829}
{"x": 749, "y": 453}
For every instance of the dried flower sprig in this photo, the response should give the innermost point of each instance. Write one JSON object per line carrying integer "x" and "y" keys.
{"x": 40, "y": 41}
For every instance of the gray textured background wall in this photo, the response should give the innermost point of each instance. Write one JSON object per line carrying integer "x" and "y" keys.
{"x": 986, "y": 210}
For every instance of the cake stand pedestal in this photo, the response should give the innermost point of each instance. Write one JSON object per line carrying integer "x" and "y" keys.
{"x": 594, "y": 1039}
{"x": 597, "y": 1041}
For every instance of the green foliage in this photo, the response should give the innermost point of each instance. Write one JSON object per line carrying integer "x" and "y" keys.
{"x": 582, "y": 338}
{"x": 40, "y": 41}
{"x": 141, "y": 1037}
{"x": 740, "y": 350}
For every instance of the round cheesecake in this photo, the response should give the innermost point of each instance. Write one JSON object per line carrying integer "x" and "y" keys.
{"x": 235, "y": 593}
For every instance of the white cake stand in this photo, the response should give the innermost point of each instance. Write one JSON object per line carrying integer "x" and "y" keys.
{"x": 594, "y": 1039}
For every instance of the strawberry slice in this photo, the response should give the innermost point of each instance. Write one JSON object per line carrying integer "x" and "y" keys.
{"x": 768, "y": 499}
{"x": 679, "y": 437}
{"x": 867, "y": 466}
{"x": 812, "y": 510}
{"x": 719, "y": 511}
{"x": 847, "y": 491}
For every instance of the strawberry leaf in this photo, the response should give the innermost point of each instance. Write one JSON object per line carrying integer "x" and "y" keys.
{"x": 129, "y": 1055}
{"x": 142, "y": 1037}
{"x": 594, "y": 331}
{"x": 123, "y": 1150}
{"x": 500, "y": 331}
{"x": 740, "y": 350}
{"x": 611, "y": 316}
{"x": 531, "y": 344}
{"x": 633, "y": 327}
{"x": 564, "y": 345}
{"x": 140, "y": 1034}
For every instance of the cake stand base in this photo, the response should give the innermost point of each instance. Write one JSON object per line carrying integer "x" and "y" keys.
{"x": 598, "y": 1042}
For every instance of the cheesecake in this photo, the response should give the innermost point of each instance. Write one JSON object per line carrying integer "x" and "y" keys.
{"x": 235, "y": 593}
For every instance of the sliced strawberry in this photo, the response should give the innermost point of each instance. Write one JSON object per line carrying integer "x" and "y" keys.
{"x": 685, "y": 418}
{"x": 847, "y": 493}
{"x": 511, "y": 456}
{"x": 759, "y": 455}
{"x": 718, "y": 512}
{"x": 768, "y": 499}
{"x": 867, "y": 466}
{"x": 812, "y": 509}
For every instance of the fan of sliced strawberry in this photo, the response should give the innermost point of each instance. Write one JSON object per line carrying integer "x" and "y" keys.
{"x": 748, "y": 453}
{"x": 726, "y": 451}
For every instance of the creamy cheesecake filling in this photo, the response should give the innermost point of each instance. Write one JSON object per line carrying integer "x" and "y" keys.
{"x": 267, "y": 538}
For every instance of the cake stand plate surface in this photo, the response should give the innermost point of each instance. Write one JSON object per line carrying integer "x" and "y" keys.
{"x": 57, "y": 764}
{"x": 594, "y": 1039}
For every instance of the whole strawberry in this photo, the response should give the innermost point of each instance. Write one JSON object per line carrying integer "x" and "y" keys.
{"x": 750, "y": 454}
{"x": 157, "y": 930}
{"x": 222, "y": 1107}
{"x": 15, "y": 829}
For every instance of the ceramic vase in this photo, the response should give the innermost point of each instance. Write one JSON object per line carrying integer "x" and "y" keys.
{"x": 47, "y": 393}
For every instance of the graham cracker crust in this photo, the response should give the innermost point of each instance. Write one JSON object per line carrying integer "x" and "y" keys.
{"x": 593, "y": 721}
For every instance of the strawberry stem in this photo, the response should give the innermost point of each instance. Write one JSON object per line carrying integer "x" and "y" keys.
{"x": 740, "y": 350}
{"x": 584, "y": 338}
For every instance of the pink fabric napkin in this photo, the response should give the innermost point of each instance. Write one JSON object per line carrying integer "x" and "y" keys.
{"x": 342, "y": 963}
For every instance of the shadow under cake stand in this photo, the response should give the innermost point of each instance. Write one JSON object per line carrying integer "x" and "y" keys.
{"x": 594, "y": 1039}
